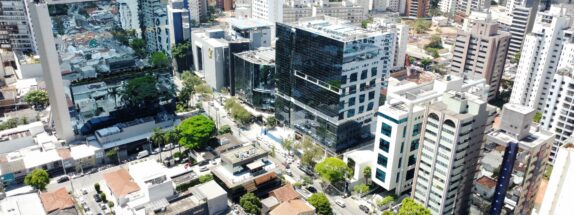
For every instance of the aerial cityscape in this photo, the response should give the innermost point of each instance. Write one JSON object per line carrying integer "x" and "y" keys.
{"x": 286, "y": 107}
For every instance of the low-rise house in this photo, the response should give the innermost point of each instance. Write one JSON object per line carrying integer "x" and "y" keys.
{"x": 58, "y": 202}
{"x": 294, "y": 207}
{"x": 22, "y": 204}
{"x": 208, "y": 198}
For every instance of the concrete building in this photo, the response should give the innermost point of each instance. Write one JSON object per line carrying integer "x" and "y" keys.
{"x": 330, "y": 97}
{"x": 155, "y": 26}
{"x": 269, "y": 10}
{"x": 452, "y": 137}
{"x": 474, "y": 17}
{"x": 447, "y": 7}
{"x": 130, "y": 16}
{"x": 401, "y": 31}
{"x": 22, "y": 204}
{"x": 357, "y": 160}
{"x": 557, "y": 199}
{"x": 208, "y": 198}
{"x": 257, "y": 31}
{"x": 399, "y": 128}
{"x": 514, "y": 156}
{"x": 253, "y": 77}
{"x": 15, "y": 26}
{"x": 558, "y": 117}
{"x": 417, "y": 8}
{"x": 540, "y": 57}
{"x": 288, "y": 11}
{"x": 481, "y": 54}
{"x": 197, "y": 10}
{"x": 209, "y": 56}
{"x": 465, "y": 7}
{"x": 179, "y": 18}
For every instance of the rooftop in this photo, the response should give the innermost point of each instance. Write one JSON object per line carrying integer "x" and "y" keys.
{"x": 148, "y": 169}
{"x": 486, "y": 182}
{"x": 249, "y": 23}
{"x": 121, "y": 183}
{"x": 56, "y": 200}
{"x": 284, "y": 193}
{"x": 296, "y": 206}
{"x": 210, "y": 190}
{"x": 518, "y": 108}
{"x": 23, "y": 204}
{"x": 243, "y": 154}
{"x": 535, "y": 139}
{"x": 334, "y": 28}
{"x": 260, "y": 56}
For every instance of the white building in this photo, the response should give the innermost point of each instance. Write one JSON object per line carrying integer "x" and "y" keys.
{"x": 270, "y": 10}
{"x": 257, "y": 31}
{"x": 197, "y": 10}
{"x": 540, "y": 57}
{"x": 129, "y": 15}
{"x": 559, "y": 195}
{"x": 401, "y": 32}
{"x": 399, "y": 128}
{"x": 15, "y": 28}
{"x": 451, "y": 142}
{"x": 558, "y": 116}
{"x": 22, "y": 204}
{"x": 474, "y": 17}
{"x": 358, "y": 160}
{"x": 209, "y": 51}
{"x": 447, "y": 7}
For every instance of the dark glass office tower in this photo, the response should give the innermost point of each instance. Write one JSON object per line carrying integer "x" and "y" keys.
{"x": 329, "y": 77}
{"x": 254, "y": 73}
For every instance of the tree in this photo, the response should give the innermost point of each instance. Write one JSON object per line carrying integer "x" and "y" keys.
{"x": 37, "y": 98}
{"x": 516, "y": 56}
{"x": 271, "y": 121}
{"x": 113, "y": 153}
{"x": 287, "y": 144}
{"x": 537, "y": 117}
{"x": 195, "y": 131}
{"x": 203, "y": 89}
{"x": 140, "y": 92}
{"x": 159, "y": 59}
{"x": 385, "y": 201}
{"x": 97, "y": 188}
{"x": 421, "y": 25}
{"x": 103, "y": 197}
{"x": 321, "y": 203}
{"x": 250, "y": 203}
{"x": 205, "y": 178}
{"x": 38, "y": 179}
{"x": 158, "y": 139}
{"x": 225, "y": 129}
{"x": 425, "y": 62}
{"x": 138, "y": 45}
{"x": 410, "y": 207}
{"x": 361, "y": 188}
{"x": 180, "y": 52}
{"x": 367, "y": 174}
{"x": 332, "y": 169}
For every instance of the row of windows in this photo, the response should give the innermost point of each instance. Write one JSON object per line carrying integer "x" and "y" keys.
{"x": 392, "y": 119}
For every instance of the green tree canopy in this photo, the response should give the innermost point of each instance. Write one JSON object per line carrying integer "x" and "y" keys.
{"x": 225, "y": 129}
{"x": 139, "y": 47}
{"x": 205, "y": 178}
{"x": 361, "y": 188}
{"x": 367, "y": 173}
{"x": 321, "y": 203}
{"x": 425, "y": 62}
{"x": 385, "y": 201}
{"x": 537, "y": 117}
{"x": 38, "y": 179}
{"x": 180, "y": 50}
{"x": 332, "y": 169}
{"x": 38, "y": 98}
{"x": 140, "y": 91}
{"x": 159, "y": 59}
{"x": 195, "y": 131}
{"x": 250, "y": 203}
{"x": 410, "y": 207}
{"x": 271, "y": 121}
{"x": 421, "y": 25}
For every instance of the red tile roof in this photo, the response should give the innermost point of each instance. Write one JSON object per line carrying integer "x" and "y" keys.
{"x": 486, "y": 182}
{"x": 294, "y": 207}
{"x": 121, "y": 182}
{"x": 284, "y": 193}
{"x": 56, "y": 200}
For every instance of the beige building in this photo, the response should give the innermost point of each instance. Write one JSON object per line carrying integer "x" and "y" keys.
{"x": 481, "y": 53}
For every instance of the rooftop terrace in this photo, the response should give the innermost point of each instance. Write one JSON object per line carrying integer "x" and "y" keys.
{"x": 259, "y": 56}
{"x": 334, "y": 28}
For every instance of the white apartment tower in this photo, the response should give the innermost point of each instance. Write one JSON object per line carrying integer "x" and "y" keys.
{"x": 270, "y": 10}
{"x": 520, "y": 19}
{"x": 399, "y": 128}
{"x": 15, "y": 26}
{"x": 559, "y": 195}
{"x": 481, "y": 53}
{"x": 197, "y": 10}
{"x": 401, "y": 38}
{"x": 452, "y": 137}
{"x": 559, "y": 115}
{"x": 540, "y": 57}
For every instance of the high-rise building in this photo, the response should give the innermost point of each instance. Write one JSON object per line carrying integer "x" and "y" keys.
{"x": 417, "y": 8}
{"x": 520, "y": 16}
{"x": 481, "y": 53}
{"x": 463, "y": 8}
{"x": 15, "y": 26}
{"x": 558, "y": 117}
{"x": 198, "y": 10}
{"x": 155, "y": 25}
{"x": 399, "y": 128}
{"x": 179, "y": 20}
{"x": 89, "y": 64}
{"x": 540, "y": 57}
{"x": 270, "y": 10}
{"x": 401, "y": 31}
{"x": 558, "y": 196}
{"x": 294, "y": 10}
{"x": 329, "y": 75}
{"x": 253, "y": 76}
{"x": 452, "y": 137}
{"x": 447, "y": 7}
{"x": 513, "y": 158}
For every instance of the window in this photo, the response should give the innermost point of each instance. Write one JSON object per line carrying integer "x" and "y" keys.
{"x": 343, "y": 79}
{"x": 362, "y": 98}
{"x": 351, "y": 101}
{"x": 384, "y": 145}
{"x": 373, "y": 71}
{"x": 353, "y": 77}
{"x": 414, "y": 144}
{"x": 351, "y": 113}
{"x": 386, "y": 129}
{"x": 382, "y": 160}
{"x": 371, "y": 95}
{"x": 370, "y": 106}
{"x": 392, "y": 119}
{"x": 361, "y": 109}
{"x": 410, "y": 174}
{"x": 412, "y": 160}
{"x": 398, "y": 177}
{"x": 352, "y": 89}
{"x": 416, "y": 129}
{"x": 400, "y": 162}
{"x": 364, "y": 75}
{"x": 380, "y": 175}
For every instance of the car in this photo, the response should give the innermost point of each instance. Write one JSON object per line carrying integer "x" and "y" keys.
{"x": 97, "y": 198}
{"x": 142, "y": 154}
{"x": 103, "y": 206}
{"x": 312, "y": 189}
{"x": 63, "y": 179}
{"x": 203, "y": 162}
{"x": 288, "y": 172}
{"x": 84, "y": 191}
{"x": 307, "y": 170}
{"x": 340, "y": 202}
{"x": 92, "y": 171}
{"x": 203, "y": 169}
{"x": 364, "y": 208}
{"x": 156, "y": 150}
{"x": 168, "y": 147}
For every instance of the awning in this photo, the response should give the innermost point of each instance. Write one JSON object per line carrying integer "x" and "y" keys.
{"x": 255, "y": 164}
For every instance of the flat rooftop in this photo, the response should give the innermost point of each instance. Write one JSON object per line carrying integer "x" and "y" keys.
{"x": 242, "y": 154}
{"x": 250, "y": 23}
{"x": 260, "y": 56}
{"x": 334, "y": 28}
{"x": 535, "y": 138}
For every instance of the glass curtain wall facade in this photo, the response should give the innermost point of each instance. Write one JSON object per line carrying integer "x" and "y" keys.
{"x": 328, "y": 86}
{"x": 254, "y": 78}
{"x": 108, "y": 73}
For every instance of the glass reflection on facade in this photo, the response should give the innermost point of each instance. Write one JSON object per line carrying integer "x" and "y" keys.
{"x": 102, "y": 47}
{"x": 254, "y": 78}
{"x": 329, "y": 76}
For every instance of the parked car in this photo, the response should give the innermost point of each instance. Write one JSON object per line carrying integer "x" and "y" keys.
{"x": 142, "y": 154}
{"x": 84, "y": 191}
{"x": 340, "y": 202}
{"x": 203, "y": 162}
{"x": 97, "y": 198}
{"x": 312, "y": 189}
{"x": 203, "y": 169}
{"x": 307, "y": 170}
{"x": 168, "y": 147}
{"x": 63, "y": 179}
{"x": 364, "y": 208}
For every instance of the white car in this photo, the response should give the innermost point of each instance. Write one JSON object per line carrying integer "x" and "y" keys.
{"x": 203, "y": 169}
{"x": 168, "y": 147}
{"x": 340, "y": 202}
